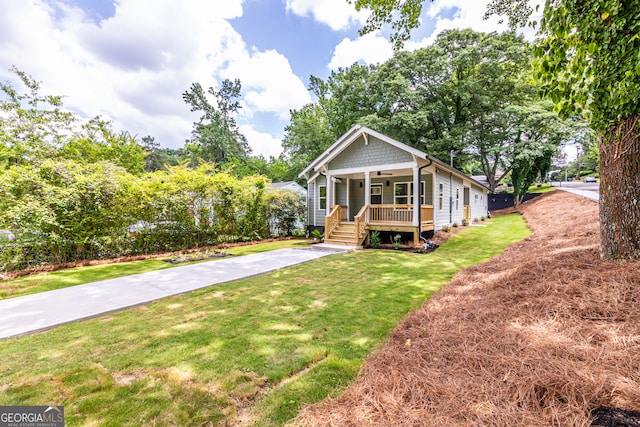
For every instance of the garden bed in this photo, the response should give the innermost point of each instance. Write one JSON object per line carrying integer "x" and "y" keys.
{"x": 196, "y": 256}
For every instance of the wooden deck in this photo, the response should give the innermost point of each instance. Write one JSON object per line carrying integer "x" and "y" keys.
{"x": 393, "y": 218}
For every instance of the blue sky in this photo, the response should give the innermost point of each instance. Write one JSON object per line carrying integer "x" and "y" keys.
{"x": 130, "y": 60}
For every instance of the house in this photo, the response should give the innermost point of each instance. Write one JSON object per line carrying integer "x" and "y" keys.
{"x": 290, "y": 185}
{"x": 366, "y": 181}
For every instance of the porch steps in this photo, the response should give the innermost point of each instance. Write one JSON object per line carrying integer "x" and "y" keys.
{"x": 344, "y": 234}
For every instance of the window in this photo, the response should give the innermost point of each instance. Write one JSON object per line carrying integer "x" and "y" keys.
{"x": 440, "y": 196}
{"x": 322, "y": 197}
{"x": 476, "y": 199}
{"x": 457, "y": 198}
{"x": 376, "y": 194}
{"x": 403, "y": 194}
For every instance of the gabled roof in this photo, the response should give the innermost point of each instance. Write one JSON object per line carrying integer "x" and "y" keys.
{"x": 356, "y": 132}
{"x": 285, "y": 184}
{"x": 350, "y": 136}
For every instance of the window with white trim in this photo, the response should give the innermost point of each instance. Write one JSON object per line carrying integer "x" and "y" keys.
{"x": 403, "y": 193}
{"x": 322, "y": 197}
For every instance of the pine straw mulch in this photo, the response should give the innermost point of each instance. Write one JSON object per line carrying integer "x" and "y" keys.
{"x": 538, "y": 336}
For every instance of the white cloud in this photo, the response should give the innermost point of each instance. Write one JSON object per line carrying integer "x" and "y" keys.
{"x": 468, "y": 15}
{"x": 133, "y": 67}
{"x": 370, "y": 49}
{"x": 268, "y": 82}
{"x": 261, "y": 142}
{"x": 337, "y": 14}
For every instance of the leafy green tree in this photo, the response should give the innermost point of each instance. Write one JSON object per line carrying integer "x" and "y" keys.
{"x": 307, "y": 136}
{"x": 99, "y": 142}
{"x": 587, "y": 63}
{"x": 32, "y": 126}
{"x": 216, "y": 136}
{"x": 285, "y": 209}
{"x": 157, "y": 158}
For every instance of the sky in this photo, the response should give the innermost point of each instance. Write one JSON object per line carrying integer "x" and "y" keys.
{"x": 130, "y": 61}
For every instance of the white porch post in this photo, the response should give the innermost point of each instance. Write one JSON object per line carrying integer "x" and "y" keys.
{"x": 434, "y": 199}
{"x": 329, "y": 193}
{"x": 349, "y": 199}
{"x": 416, "y": 195}
{"x": 367, "y": 188}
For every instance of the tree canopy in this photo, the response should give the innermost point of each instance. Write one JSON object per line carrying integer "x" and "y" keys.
{"x": 588, "y": 56}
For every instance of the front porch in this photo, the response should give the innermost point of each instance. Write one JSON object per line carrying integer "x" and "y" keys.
{"x": 395, "y": 218}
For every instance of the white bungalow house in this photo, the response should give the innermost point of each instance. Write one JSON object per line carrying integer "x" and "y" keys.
{"x": 367, "y": 181}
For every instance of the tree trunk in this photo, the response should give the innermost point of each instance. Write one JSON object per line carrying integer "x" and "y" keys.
{"x": 620, "y": 190}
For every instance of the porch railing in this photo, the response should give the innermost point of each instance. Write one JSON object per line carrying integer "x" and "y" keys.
{"x": 391, "y": 213}
{"x": 426, "y": 214}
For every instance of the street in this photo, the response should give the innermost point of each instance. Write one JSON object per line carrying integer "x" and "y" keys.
{"x": 590, "y": 190}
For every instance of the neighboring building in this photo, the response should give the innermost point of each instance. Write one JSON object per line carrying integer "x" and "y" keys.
{"x": 290, "y": 185}
{"x": 366, "y": 181}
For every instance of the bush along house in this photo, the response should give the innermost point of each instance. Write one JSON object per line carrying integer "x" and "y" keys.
{"x": 366, "y": 181}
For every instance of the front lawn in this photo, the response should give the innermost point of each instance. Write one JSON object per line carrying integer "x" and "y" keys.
{"x": 43, "y": 282}
{"x": 252, "y": 351}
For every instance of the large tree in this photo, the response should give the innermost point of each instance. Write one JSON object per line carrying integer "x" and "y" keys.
{"x": 32, "y": 125}
{"x": 216, "y": 136}
{"x": 588, "y": 62}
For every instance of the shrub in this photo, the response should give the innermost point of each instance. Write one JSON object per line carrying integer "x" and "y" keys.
{"x": 465, "y": 222}
{"x": 455, "y": 224}
{"x": 482, "y": 218}
{"x": 376, "y": 241}
{"x": 446, "y": 228}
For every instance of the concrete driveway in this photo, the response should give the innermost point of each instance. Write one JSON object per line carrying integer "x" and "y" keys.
{"x": 32, "y": 313}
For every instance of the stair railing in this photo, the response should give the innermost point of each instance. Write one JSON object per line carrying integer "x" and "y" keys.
{"x": 332, "y": 221}
{"x": 360, "y": 224}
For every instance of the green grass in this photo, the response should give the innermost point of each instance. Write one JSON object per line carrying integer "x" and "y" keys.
{"x": 227, "y": 351}
{"x": 43, "y": 282}
{"x": 541, "y": 188}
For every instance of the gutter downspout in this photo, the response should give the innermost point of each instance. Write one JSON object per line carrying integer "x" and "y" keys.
{"x": 420, "y": 210}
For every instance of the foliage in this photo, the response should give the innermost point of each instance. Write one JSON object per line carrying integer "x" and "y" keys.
{"x": 32, "y": 125}
{"x": 376, "y": 241}
{"x": 199, "y": 358}
{"x": 457, "y": 94}
{"x": 396, "y": 241}
{"x": 99, "y": 142}
{"x": 587, "y": 60}
{"x": 446, "y": 228}
{"x": 383, "y": 12}
{"x": 286, "y": 211}
{"x": 404, "y": 16}
{"x": 216, "y": 137}
{"x": 64, "y": 211}
{"x": 307, "y": 136}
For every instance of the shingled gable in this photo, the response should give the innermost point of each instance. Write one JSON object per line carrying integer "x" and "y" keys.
{"x": 347, "y": 139}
